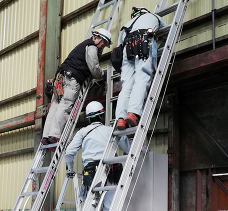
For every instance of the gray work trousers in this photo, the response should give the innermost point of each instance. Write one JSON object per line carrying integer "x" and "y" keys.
{"x": 59, "y": 112}
{"x": 136, "y": 77}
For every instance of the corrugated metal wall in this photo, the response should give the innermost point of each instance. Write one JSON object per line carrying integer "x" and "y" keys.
{"x": 18, "y": 19}
{"x": 14, "y": 168}
{"x": 18, "y": 69}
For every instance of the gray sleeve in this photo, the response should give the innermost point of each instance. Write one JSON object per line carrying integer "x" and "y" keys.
{"x": 73, "y": 149}
{"x": 125, "y": 144}
{"x": 93, "y": 62}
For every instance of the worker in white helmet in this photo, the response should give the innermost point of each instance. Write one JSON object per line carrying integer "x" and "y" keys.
{"x": 138, "y": 65}
{"x": 81, "y": 63}
{"x": 93, "y": 140}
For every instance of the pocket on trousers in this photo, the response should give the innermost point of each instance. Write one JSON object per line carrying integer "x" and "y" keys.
{"x": 71, "y": 90}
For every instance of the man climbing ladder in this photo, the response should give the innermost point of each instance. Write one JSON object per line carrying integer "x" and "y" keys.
{"x": 51, "y": 170}
{"x": 139, "y": 131}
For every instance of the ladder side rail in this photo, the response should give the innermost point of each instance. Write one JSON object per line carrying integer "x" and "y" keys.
{"x": 112, "y": 14}
{"x": 108, "y": 110}
{"x": 151, "y": 102}
{"x": 36, "y": 163}
{"x": 95, "y": 18}
{"x": 101, "y": 173}
{"x": 62, "y": 193}
{"x": 77, "y": 192}
{"x": 161, "y": 6}
{"x": 63, "y": 143}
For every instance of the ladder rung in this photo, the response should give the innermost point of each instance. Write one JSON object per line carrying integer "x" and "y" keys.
{"x": 106, "y": 5}
{"x": 163, "y": 31}
{"x": 105, "y": 188}
{"x": 113, "y": 98}
{"x": 160, "y": 50}
{"x": 128, "y": 131}
{"x": 68, "y": 202}
{"x": 30, "y": 194}
{"x": 49, "y": 146}
{"x": 101, "y": 22}
{"x": 115, "y": 76}
{"x": 219, "y": 175}
{"x": 40, "y": 170}
{"x": 168, "y": 10}
{"x": 118, "y": 159}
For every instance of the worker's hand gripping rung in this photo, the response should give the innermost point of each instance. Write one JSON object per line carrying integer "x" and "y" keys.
{"x": 148, "y": 111}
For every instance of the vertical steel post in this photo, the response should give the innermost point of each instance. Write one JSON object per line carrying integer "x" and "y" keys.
{"x": 40, "y": 81}
{"x": 198, "y": 190}
{"x": 213, "y": 23}
{"x": 174, "y": 154}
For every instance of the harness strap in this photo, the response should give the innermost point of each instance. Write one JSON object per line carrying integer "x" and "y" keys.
{"x": 91, "y": 131}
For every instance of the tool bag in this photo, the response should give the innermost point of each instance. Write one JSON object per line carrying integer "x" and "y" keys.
{"x": 117, "y": 58}
{"x": 49, "y": 86}
{"x": 117, "y": 53}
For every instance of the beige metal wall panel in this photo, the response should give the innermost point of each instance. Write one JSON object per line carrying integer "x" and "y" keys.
{"x": 71, "y": 5}
{"x": 220, "y": 3}
{"x": 159, "y": 142}
{"x": 18, "y": 107}
{"x": 19, "y": 70}
{"x": 203, "y": 33}
{"x": 75, "y": 32}
{"x": 17, "y": 139}
{"x": 13, "y": 172}
{"x": 221, "y": 26}
{"x": 18, "y": 19}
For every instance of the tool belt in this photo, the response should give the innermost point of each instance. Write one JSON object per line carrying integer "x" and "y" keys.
{"x": 90, "y": 171}
{"x": 58, "y": 87}
{"x": 137, "y": 44}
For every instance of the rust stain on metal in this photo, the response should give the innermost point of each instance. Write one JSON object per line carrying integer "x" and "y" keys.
{"x": 42, "y": 40}
{"x": 200, "y": 63}
{"x": 17, "y": 121}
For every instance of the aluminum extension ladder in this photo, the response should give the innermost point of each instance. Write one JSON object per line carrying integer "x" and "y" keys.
{"x": 52, "y": 169}
{"x": 173, "y": 32}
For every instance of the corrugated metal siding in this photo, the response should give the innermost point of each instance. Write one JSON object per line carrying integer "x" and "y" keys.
{"x": 13, "y": 172}
{"x": 76, "y": 29}
{"x": 17, "y": 139}
{"x": 71, "y": 5}
{"x": 14, "y": 168}
{"x": 18, "y": 107}
{"x": 18, "y": 70}
{"x": 18, "y": 19}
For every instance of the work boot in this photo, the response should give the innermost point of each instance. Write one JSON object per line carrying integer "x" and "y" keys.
{"x": 132, "y": 119}
{"x": 53, "y": 140}
{"x": 45, "y": 141}
{"x": 121, "y": 124}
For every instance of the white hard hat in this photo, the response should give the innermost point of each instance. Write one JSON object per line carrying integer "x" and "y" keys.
{"x": 136, "y": 11}
{"x": 94, "y": 109}
{"x": 104, "y": 34}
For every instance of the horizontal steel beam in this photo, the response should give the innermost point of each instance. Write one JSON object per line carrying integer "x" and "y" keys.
{"x": 20, "y": 42}
{"x": 17, "y": 152}
{"x": 199, "y": 64}
{"x": 17, "y": 122}
{"x": 19, "y": 96}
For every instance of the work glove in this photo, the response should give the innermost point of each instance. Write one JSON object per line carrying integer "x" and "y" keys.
{"x": 70, "y": 173}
